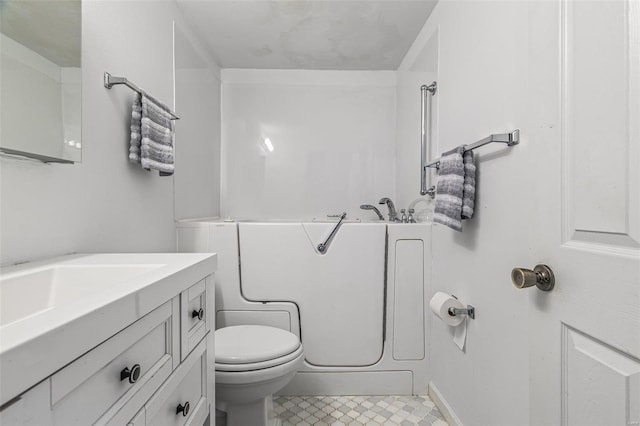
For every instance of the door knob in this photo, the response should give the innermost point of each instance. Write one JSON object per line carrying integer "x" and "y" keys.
{"x": 541, "y": 276}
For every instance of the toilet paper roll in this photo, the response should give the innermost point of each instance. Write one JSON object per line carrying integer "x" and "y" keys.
{"x": 440, "y": 304}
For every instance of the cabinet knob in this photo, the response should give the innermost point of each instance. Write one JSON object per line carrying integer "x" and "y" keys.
{"x": 184, "y": 409}
{"x": 541, "y": 276}
{"x": 133, "y": 375}
{"x": 198, "y": 313}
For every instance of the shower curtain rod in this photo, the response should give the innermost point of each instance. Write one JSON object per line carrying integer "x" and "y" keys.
{"x": 110, "y": 81}
{"x": 511, "y": 139}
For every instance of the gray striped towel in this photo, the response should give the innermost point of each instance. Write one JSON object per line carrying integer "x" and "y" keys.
{"x": 455, "y": 190}
{"x": 151, "y": 142}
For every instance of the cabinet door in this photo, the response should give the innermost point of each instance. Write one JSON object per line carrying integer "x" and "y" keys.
{"x": 182, "y": 399}
{"x": 194, "y": 316}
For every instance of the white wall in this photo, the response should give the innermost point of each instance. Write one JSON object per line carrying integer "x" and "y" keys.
{"x": 105, "y": 203}
{"x": 482, "y": 74}
{"x": 197, "y": 179}
{"x": 333, "y": 135}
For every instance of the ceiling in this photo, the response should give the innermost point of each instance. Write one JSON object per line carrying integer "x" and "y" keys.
{"x": 50, "y": 28}
{"x": 308, "y": 34}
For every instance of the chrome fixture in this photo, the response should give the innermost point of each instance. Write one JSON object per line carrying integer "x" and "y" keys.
{"x": 431, "y": 191}
{"x": 541, "y": 276}
{"x": 110, "y": 81}
{"x": 511, "y": 139}
{"x": 322, "y": 247}
{"x": 470, "y": 311}
{"x": 374, "y": 208}
{"x": 425, "y": 107}
{"x": 411, "y": 219}
{"x": 393, "y": 215}
{"x": 403, "y": 216}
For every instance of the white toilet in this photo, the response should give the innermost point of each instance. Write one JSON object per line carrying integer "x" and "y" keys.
{"x": 252, "y": 363}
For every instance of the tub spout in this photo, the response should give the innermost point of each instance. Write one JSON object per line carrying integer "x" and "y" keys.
{"x": 393, "y": 215}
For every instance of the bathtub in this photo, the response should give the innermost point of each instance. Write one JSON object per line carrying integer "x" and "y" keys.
{"x": 359, "y": 309}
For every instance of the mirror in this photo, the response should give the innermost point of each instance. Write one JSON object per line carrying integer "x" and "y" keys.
{"x": 40, "y": 79}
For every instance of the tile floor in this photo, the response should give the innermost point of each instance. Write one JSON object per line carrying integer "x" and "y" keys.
{"x": 357, "y": 410}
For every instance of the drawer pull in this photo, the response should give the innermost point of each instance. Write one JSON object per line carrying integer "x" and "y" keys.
{"x": 184, "y": 409}
{"x": 198, "y": 314}
{"x": 133, "y": 375}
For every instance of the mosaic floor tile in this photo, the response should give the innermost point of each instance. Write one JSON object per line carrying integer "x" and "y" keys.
{"x": 357, "y": 411}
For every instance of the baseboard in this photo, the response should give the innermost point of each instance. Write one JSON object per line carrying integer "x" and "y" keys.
{"x": 350, "y": 383}
{"x": 444, "y": 407}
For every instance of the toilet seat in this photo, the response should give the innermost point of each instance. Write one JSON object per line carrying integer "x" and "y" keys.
{"x": 254, "y": 347}
{"x": 260, "y": 365}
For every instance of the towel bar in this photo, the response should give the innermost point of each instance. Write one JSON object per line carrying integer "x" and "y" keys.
{"x": 110, "y": 81}
{"x": 511, "y": 138}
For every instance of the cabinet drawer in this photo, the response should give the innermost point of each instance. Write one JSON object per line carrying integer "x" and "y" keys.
{"x": 97, "y": 382}
{"x": 30, "y": 408}
{"x": 187, "y": 387}
{"x": 194, "y": 316}
{"x": 140, "y": 419}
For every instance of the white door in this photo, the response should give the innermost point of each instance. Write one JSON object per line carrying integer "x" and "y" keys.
{"x": 585, "y": 110}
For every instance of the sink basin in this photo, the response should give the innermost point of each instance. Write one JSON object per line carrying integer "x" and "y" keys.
{"x": 25, "y": 294}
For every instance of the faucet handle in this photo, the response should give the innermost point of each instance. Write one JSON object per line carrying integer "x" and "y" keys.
{"x": 411, "y": 219}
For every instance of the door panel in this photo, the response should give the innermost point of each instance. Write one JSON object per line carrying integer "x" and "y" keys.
{"x": 601, "y": 384}
{"x": 600, "y": 144}
{"x": 585, "y": 333}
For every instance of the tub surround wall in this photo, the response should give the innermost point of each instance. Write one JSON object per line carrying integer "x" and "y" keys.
{"x": 422, "y": 70}
{"x": 197, "y": 181}
{"x": 333, "y": 142}
{"x": 482, "y": 88}
{"x": 104, "y": 203}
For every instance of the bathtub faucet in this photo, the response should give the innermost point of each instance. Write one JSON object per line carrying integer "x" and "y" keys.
{"x": 374, "y": 208}
{"x": 393, "y": 216}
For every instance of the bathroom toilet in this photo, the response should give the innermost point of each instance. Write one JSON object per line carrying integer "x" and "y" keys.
{"x": 251, "y": 363}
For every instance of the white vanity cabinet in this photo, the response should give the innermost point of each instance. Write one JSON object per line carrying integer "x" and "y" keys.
{"x": 152, "y": 372}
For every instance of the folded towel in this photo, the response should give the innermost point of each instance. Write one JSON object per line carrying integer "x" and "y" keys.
{"x": 151, "y": 142}
{"x": 455, "y": 189}
{"x": 469, "y": 192}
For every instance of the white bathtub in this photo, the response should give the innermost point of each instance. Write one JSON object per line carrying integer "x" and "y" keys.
{"x": 359, "y": 309}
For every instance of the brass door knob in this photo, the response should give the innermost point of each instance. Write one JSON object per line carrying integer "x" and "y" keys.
{"x": 541, "y": 276}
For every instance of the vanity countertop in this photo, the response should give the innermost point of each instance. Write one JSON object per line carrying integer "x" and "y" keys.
{"x": 55, "y": 310}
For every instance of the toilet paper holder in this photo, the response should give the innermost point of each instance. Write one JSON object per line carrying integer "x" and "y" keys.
{"x": 469, "y": 311}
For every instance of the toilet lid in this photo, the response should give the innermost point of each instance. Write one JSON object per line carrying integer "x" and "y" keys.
{"x": 243, "y": 344}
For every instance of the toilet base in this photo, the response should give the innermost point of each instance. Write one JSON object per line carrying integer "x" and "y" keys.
{"x": 255, "y": 413}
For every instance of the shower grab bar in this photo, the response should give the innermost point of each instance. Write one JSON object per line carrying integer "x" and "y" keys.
{"x": 110, "y": 81}
{"x": 425, "y": 108}
{"x": 322, "y": 247}
{"x": 511, "y": 139}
